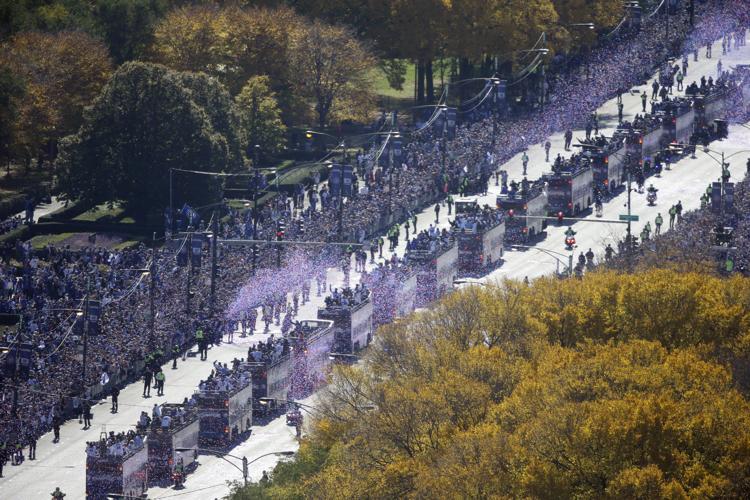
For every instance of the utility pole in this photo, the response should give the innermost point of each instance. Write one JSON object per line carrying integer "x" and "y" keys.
{"x": 340, "y": 224}
{"x": 666, "y": 6}
{"x": 390, "y": 176}
{"x": 278, "y": 253}
{"x": 171, "y": 203}
{"x": 692, "y": 13}
{"x": 444, "y": 140}
{"x": 543, "y": 79}
{"x": 151, "y": 296}
{"x": 214, "y": 259}
{"x": 14, "y": 408}
{"x": 630, "y": 235}
{"x": 570, "y": 264}
{"x": 85, "y": 332}
{"x": 189, "y": 243}
{"x": 721, "y": 197}
{"x": 254, "y": 213}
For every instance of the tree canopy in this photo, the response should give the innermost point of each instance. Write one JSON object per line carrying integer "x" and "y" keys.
{"x": 61, "y": 74}
{"x": 331, "y": 69}
{"x": 11, "y": 92}
{"x": 230, "y": 43}
{"x": 260, "y": 116}
{"x": 147, "y": 120}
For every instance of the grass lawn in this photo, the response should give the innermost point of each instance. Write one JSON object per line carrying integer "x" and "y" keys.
{"x": 99, "y": 212}
{"x": 81, "y": 240}
{"x": 298, "y": 175}
{"x": 43, "y": 240}
{"x": 383, "y": 89}
{"x": 404, "y": 99}
{"x": 14, "y": 187}
{"x": 133, "y": 241}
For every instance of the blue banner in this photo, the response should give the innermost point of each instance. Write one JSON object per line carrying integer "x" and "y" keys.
{"x": 348, "y": 176}
{"x": 335, "y": 178}
{"x": 196, "y": 247}
{"x": 450, "y": 122}
{"x": 192, "y": 217}
{"x": 95, "y": 310}
{"x": 439, "y": 123}
{"x": 396, "y": 145}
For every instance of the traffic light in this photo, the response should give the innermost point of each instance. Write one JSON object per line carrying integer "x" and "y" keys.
{"x": 18, "y": 357}
{"x": 280, "y": 229}
{"x": 729, "y": 196}
{"x": 196, "y": 247}
{"x": 308, "y": 141}
{"x": 560, "y": 217}
{"x": 10, "y": 361}
{"x": 25, "y": 352}
{"x": 182, "y": 255}
{"x": 95, "y": 311}
{"x": 511, "y": 212}
{"x": 78, "y": 324}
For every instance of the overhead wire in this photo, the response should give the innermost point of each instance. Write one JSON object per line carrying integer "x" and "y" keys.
{"x": 434, "y": 115}
{"x": 530, "y": 72}
{"x": 382, "y": 149}
{"x": 489, "y": 92}
{"x": 70, "y": 329}
{"x": 657, "y": 9}
{"x": 477, "y": 95}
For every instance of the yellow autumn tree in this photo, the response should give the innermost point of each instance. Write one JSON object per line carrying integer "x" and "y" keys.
{"x": 603, "y": 420}
{"x": 558, "y": 389}
{"x": 230, "y": 43}
{"x": 61, "y": 74}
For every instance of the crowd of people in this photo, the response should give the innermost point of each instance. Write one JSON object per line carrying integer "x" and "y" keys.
{"x": 430, "y": 241}
{"x": 478, "y": 220}
{"x": 47, "y": 287}
{"x": 115, "y": 445}
{"x": 224, "y": 379}
{"x": 10, "y": 224}
{"x": 347, "y": 297}
{"x": 270, "y": 351}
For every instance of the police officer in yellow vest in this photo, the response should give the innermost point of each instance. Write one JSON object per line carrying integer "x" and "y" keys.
{"x": 200, "y": 338}
{"x": 160, "y": 377}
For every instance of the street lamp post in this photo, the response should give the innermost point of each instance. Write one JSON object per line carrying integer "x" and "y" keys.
{"x": 85, "y": 332}
{"x": 334, "y": 356}
{"x": 589, "y": 26}
{"x": 151, "y": 295}
{"x": 443, "y": 140}
{"x": 254, "y": 213}
{"x": 723, "y": 164}
{"x": 470, "y": 282}
{"x": 553, "y": 254}
{"x": 245, "y": 463}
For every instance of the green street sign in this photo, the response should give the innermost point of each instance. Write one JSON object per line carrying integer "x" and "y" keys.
{"x": 631, "y": 218}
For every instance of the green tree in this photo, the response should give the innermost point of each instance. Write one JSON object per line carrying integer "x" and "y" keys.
{"x": 260, "y": 116}
{"x": 147, "y": 120}
{"x": 11, "y": 92}
{"x": 127, "y": 25}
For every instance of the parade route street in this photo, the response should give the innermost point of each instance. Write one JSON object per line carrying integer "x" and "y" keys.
{"x": 63, "y": 464}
